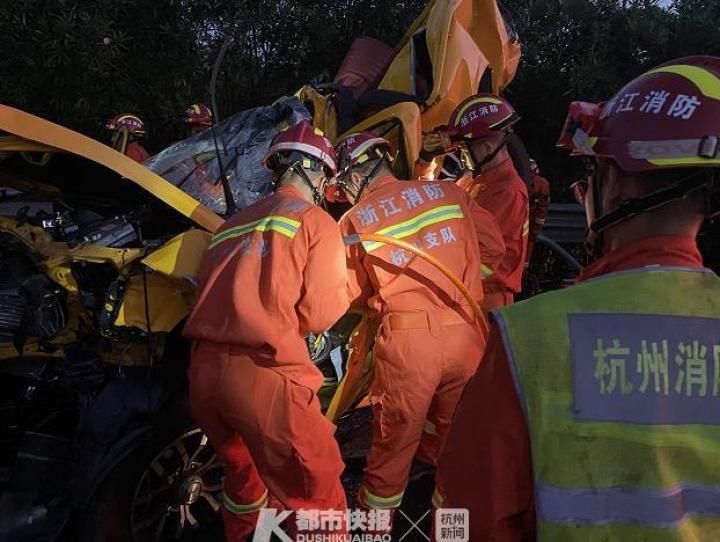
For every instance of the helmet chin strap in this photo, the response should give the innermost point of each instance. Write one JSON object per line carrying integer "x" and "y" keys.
{"x": 366, "y": 180}
{"x": 478, "y": 164}
{"x": 631, "y": 208}
{"x": 120, "y": 139}
{"x": 317, "y": 193}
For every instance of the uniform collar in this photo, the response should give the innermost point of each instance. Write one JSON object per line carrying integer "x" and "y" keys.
{"x": 377, "y": 184}
{"x": 289, "y": 190}
{"x": 497, "y": 172}
{"x": 665, "y": 251}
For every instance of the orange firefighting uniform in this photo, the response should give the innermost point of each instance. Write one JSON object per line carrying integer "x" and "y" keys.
{"x": 539, "y": 206}
{"x": 485, "y": 465}
{"x": 273, "y": 273}
{"x": 136, "y": 151}
{"x": 426, "y": 348}
{"x": 501, "y": 191}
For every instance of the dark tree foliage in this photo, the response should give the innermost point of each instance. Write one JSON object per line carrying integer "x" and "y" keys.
{"x": 78, "y": 62}
{"x": 278, "y": 45}
{"x": 587, "y": 50}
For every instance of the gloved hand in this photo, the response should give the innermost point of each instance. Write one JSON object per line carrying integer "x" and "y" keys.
{"x": 435, "y": 143}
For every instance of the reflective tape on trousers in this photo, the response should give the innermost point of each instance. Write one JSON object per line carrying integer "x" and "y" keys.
{"x": 652, "y": 508}
{"x": 242, "y": 509}
{"x": 375, "y": 501}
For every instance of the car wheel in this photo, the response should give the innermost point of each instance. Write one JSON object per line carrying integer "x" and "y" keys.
{"x": 167, "y": 489}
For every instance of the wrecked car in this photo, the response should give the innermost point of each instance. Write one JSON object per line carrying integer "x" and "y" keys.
{"x": 93, "y": 292}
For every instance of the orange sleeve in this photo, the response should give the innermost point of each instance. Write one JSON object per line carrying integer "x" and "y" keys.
{"x": 485, "y": 465}
{"x": 359, "y": 287}
{"x": 324, "y": 297}
{"x": 508, "y": 203}
{"x": 490, "y": 238}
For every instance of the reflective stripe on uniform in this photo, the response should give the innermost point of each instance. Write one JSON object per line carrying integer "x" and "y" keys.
{"x": 654, "y": 508}
{"x": 241, "y": 509}
{"x": 526, "y": 228}
{"x": 485, "y": 271}
{"x": 654, "y": 453}
{"x": 417, "y": 223}
{"x": 374, "y": 501}
{"x": 280, "y": 224}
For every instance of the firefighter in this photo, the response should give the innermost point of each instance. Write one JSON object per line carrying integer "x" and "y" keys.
{"x": 595, "y": 406}
{"x": 484, "y": 123}
{"x": 273, "y": 273}
{"x": 478, "y": 132}
{"x": 127, "y": 131}
{"x": 198, "y": 117}
{"x": 427, "y": 346}
{"x": 539, "y": 206}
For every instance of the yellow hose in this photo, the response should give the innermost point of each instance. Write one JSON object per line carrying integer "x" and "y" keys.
{"x": 477, "y": 311}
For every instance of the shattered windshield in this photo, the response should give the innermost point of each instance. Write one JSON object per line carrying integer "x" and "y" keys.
{"x": 239, "y": 143}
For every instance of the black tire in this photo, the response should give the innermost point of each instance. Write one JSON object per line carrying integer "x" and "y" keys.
{"x": 151, "y": 484}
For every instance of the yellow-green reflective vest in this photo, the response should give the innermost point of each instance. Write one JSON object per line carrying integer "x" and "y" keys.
{"x": 619, "y": 378}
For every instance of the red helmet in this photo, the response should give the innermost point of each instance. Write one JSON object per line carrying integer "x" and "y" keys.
{"x": 305, "y": 139}
{"x": 131, "y": 123}
{"x": 669, "y": 117}
{"x": 357, "y": 148}
{"x": 199, "y": 114}
{"x": 481, "y": 114}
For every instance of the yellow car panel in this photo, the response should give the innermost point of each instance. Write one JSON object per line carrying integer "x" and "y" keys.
{"x": 180, "y": 257}
{"x": 408, "y": 114}
{"x": 169, "y": 301}
{"x": 324, "y": 111}
{"x": 57, "y": 254}
{"x": 359, "y": 370}
{"x": 464, "y": 38}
